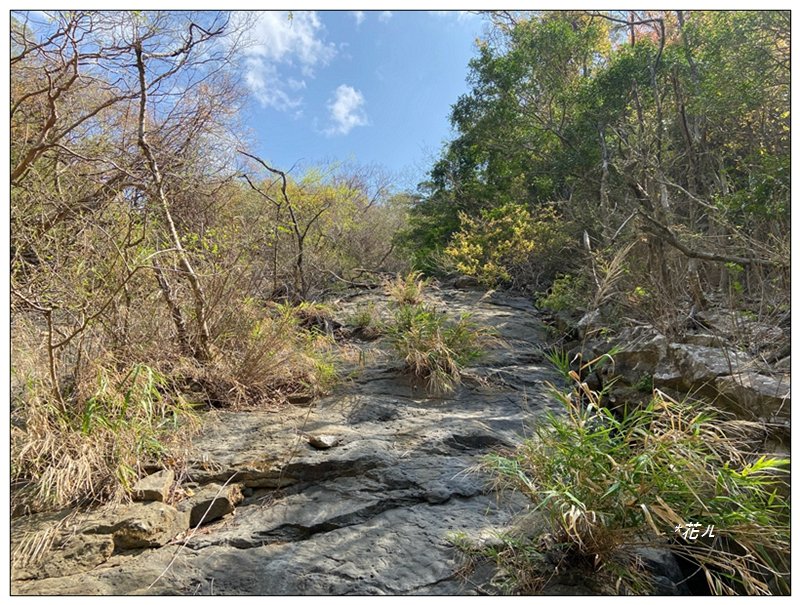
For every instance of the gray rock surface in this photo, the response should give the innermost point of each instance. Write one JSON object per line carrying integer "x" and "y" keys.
{"x": 74, "y": 555}
{"x": 700, "y": 364}
{"x": 375, "y": 514}
{"x": 667, "y": 577}
{"x": 759, "y": 395}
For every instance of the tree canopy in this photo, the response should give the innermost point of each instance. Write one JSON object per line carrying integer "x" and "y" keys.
{"x": 668, "y": 128}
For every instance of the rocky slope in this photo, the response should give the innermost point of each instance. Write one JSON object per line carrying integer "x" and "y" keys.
{"x": 361, "y": 492}
{"x": 356, "y": 494}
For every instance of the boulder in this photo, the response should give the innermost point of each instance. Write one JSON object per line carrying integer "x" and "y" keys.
{"x": 566, "y": 324}
{"x": 568, "y": 582}
{"x": 155, "y": 487}
{"x": 137, "y": 525}
{"x": 667, "y": 375}
{"x": 211, "y": 502}
{"x": 643, "y": 349}
{"x": 666, "y": 576}
{"x": 760, "y": 396}
{"x": 740, "y": 326}
{"x": 700, "y": 365}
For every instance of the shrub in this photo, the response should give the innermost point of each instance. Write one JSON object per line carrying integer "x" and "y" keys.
{"x": 115, "y": 415}
{"x": 568, "y": 293}
{"x": 434, "y": 348}
{"x": 606, "y": 486}
{"x": 509, "y": 244}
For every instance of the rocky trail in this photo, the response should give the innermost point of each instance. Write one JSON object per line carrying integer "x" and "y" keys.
{"x": 356, "y": 493}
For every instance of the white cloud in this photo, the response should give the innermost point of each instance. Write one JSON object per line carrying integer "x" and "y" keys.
{"x": 268, "y": 86}
{"x": 385, "y": 16}
{"x": 359, "y": 17}
{"x": 346, "y": 109}
{"x": 275, "y": 44}
{"x": 278, "y": 38}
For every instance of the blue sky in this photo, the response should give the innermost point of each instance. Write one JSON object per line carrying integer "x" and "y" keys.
{"x": 370, "y": 87}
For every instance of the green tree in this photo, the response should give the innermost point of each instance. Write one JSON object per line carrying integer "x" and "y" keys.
{"x": 664, "y": 129}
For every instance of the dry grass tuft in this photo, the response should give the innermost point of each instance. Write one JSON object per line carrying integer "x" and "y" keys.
{"x": 408, "y": 289}
{"x": 268, "y": 358}
{"x": 95, "y": 448}
{"x": 434, "y": 348}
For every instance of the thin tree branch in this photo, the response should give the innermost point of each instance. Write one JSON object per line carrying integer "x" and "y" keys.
{"x": 667, "y": 235}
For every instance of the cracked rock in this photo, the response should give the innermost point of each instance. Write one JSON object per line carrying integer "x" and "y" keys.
{"x": 138, "y": 525}
{"x": 211, "y": 502}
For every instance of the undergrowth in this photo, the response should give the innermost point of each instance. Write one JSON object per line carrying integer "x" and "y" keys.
{"x": 605, "y": 486}
{"x": 433, "y": 347}
{"x": 94, "y": 449}
{"x": 367, "y": 321}
{"x": 408, "y": 289}
{"x": 269, "y": 357}
{"x": 118, "y": 416}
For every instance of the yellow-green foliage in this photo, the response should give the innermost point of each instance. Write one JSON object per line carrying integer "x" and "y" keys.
{"x": 508, "y": 244}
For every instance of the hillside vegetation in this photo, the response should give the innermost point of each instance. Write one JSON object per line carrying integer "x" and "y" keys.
{"x": 151, "y": 251}
{"x": 625, "y": 167}
{"x": 662, "y": 137}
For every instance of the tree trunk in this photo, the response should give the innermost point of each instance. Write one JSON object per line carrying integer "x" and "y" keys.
{"x": 203, "y": 351}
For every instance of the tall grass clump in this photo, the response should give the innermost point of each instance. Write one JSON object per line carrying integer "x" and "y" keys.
{"x": 434, "y": 348}
{"x": 270, "y": 356}
{"x": 95, "y": 448}
{"x": 605, "y": 486}
{"x": 559, "y": 359}
{"x": 406, "y": 289}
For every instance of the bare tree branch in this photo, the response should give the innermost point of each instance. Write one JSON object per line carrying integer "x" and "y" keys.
{"x": 667, "y": 235}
